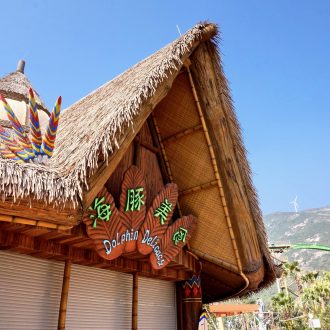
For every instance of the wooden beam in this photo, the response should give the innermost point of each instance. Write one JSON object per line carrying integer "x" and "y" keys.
{"x": 231, "y": 309}
{"x": 135, "y": 301}
{"x": 136, "y": 150}
{"x": 49, "y": 249}
{"x": 33, "y": 222}
{"x": 64, "y": 295}
{"x": 147, "y": 146}
{"x": 205, "y": 185}
{"x": 40, "y": 211}
{"x": 161, "y": 161}
{"x": 183, "y": 133}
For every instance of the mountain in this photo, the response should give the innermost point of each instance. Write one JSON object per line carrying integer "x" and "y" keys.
{"x": 309, "y": 226}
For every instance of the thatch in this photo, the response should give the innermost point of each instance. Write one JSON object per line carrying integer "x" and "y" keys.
{"x": 224, "y": 98}
{"x": 93, "y": 127}
{"x": 16, "y": 86}
{"x": 95, "y": 124}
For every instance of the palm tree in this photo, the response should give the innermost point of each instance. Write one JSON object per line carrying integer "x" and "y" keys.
{"x": 316, "y": 299}
{"x": 291, "y": 269}
{"x": 284, "y": 306}
{"x": 309, "y": 278}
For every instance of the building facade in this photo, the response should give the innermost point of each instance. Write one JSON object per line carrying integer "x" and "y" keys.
{"x": 144, "y": 211}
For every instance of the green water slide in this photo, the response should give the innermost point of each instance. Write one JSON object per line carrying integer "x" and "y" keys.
{"x": 310, "y": 246}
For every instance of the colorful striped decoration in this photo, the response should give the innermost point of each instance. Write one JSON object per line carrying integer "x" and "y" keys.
{"x": 48, "y": 141}
{"x": 5, "y": 151}
{"x": 13, "y": 145}
{"x": 34, "y": 124}
{"x": 22, "y": 148}
{"x": 18, "y": 129}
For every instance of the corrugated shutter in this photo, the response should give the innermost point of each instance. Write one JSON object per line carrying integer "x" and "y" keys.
{"x": 30, "y": 292}
{"x": 157, "y": 305}
{"x": 99, "y": 299}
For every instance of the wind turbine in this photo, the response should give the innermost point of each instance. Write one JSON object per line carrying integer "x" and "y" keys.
{"x": 295, "y": 204}
{"x": 179, "y": 31}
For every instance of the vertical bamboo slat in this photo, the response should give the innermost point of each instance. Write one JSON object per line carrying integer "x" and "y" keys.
{"x": 163, "y": 152}
{"x": 217, "y": 176}
{"x": 64, "y": 295}
{"x": 135, "y": 302}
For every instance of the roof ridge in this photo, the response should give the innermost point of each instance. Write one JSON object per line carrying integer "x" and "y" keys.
{"x": 16, "y": 85}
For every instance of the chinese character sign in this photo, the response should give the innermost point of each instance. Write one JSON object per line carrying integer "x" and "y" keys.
{"x": 180, "y": 235}
{"x": 132, "y": 228}
{"x": 104, "y": 226}
{"x": 163, "y": 211}
{"x": 134, "y": 199}
{"x": 102, "y": 209}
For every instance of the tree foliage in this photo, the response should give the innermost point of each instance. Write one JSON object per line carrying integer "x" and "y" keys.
{"x": 311, "y": 299}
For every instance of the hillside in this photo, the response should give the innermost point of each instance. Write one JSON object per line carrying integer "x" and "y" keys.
{"x": 309, "y": 226}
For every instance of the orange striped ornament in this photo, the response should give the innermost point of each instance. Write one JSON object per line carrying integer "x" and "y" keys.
{"x": 13, "y": 145}
{"x": 8, "y": 154}
{"x": 34, "y": 124}
{"x": 22, "y": 138}
{"x": 48, "y": 141}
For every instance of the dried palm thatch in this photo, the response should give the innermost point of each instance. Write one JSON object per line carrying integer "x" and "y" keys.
{"x": 94, "y": 125}
{"x": 222, "y": 96}
{"x": 16, "y": 86}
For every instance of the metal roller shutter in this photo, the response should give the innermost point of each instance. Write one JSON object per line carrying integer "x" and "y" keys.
{"x": 156, "y": 305}
{"x": 99, "y": 299}
{"x": 30, "y": 292}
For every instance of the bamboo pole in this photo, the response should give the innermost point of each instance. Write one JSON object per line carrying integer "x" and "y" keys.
{"x": 217, "y": 176}
{"x": 205, "y": 185}
{"x": 135, "y": 302}
{"x": 163, "y": 152}
{"x": 183, "y": 133}
{"x": 64, "y": 295}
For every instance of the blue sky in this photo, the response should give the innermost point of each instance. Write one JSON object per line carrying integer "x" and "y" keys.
{"x": 275, "y": 54}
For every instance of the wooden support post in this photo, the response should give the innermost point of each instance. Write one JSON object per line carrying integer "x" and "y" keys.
{"x": 64, "y": 295}
{"x": 179, "y": 306}
{"x": 135, "y": 302}
{"x": 190, "y": 293}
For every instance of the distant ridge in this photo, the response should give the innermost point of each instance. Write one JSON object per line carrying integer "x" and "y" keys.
{"x": 307, "y": 226}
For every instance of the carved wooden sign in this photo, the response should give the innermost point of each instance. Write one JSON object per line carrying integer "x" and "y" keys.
{"x": 132, "y": 228}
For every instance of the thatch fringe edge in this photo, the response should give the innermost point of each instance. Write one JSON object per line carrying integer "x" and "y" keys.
{"x": 56, "y": 186}
{"x": 241, "y": 153}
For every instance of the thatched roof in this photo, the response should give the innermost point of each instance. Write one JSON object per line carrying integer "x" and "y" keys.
{"x": 93, "y": 129}
{"x": 16, "y": 86}
{"x": 95, "y": 124}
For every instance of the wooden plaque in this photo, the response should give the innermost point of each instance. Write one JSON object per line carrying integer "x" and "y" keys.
{"x": 130, "y": 228}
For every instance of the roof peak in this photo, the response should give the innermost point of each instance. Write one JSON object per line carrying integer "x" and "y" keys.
{"x": 20, "y": 66}
{"x": 16, "y": 86}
